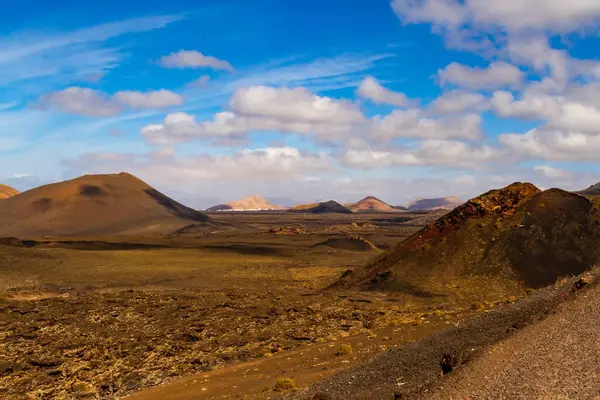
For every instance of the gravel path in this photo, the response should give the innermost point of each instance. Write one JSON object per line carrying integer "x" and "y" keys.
{"x": 557, "y": 358}
{"x": 517, "y": 351}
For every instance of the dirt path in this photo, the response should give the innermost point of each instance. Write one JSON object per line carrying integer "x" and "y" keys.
{"x": 257, "y": 379}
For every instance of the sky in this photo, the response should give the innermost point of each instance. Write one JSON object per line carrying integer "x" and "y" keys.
{"x": 212, "y": 101}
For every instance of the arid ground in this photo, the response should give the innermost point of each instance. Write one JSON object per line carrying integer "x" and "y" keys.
{"x": 107, "y": 317}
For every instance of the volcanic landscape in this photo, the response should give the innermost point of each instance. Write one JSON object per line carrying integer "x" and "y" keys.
{"x": 110, "y": 289}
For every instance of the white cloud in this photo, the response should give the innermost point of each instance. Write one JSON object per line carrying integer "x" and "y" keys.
{"x": 536, "y": 51}
{"x": 496, "y": 75}
{"x": 560, "y": 112}
{"x": 83, "y": 101}
{"x": 181, "y": 127}
{"x": 293, "y": 104}
{"x": 551, "y": 172}
{"x": 513, "y": 15}
{"x": 263, "y": 108}
{"x": 194, "y": 59}
{"x": 427, "y": 153}
{"x": 413, "y": 123}
{"x": 438, "y": 12}
{"x": 201, "y": 82}
{"x": 372, "y": 90}
{"x": 577, "y": 117}
{"x": 153, "y": 99}
{"x": 530, "y": 106}
{"x": 458, "y": 101}
{"x": 554, "y": 145}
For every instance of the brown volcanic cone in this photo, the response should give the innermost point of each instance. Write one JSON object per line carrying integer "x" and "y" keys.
{"x": 493, "y": 245}
{"x": 7, "y": 191}
{"x": 94, "y": 205}
{"x": 320, "y": 208}
{"x": 371, "y": 204}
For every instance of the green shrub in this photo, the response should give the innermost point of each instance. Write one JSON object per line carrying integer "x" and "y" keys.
{"x": 285, "y": 385}
{"x": 344, "y": 349}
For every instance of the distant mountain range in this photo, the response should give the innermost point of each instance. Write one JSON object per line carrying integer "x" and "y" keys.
{"x": 367, "y": 204}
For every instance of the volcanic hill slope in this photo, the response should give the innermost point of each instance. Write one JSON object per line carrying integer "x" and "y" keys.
{"x": 94, "y": 205}
{"x": 491, "y": 247}
{"x": 442, "y": 203}
{"x": 320, "y": 208}
{"x": 7, "y": 191}
{"x": 593, "y": 190}
{"x": 371, "y": 204}
{"x": 250, "y": 203}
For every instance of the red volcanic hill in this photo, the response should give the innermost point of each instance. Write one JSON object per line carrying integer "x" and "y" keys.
{"x": 371, "y": 204}
{"x": 7, "y": 191}
{"x": 94, "y": 205}
{"x": 496, "y": 244}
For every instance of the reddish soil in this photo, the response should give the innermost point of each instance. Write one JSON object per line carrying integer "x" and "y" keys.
{"x": 256, "y": 380}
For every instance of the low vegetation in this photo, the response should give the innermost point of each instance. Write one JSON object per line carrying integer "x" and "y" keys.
{"x": 344, "y": 349}
{"x": 285, "y": 385}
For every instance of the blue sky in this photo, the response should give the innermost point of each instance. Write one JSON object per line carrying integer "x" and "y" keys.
{"x": 212, "y": 101}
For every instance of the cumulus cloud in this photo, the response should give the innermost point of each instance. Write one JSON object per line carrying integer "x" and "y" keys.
{"x": 530, "y": 106}
{"x": 514, "y": 15}
{"x": 262, "y": 108}
{"x": 458, "y": 101}
{"x": 83, "y": 101}
{"x": 560, "y": 112}
{"x": 427, "y": 153}
{"x": 551, "y": 172}
{"x": 372, "y": 90}
{"x": 496, "y": 75}
{"x": 536, "y": 51}
{"x": 293, "y": 104}
{"x": 153, "y": 99}
{"x": 194, "y": 59}
{"x": 554, "y": 145}
{"x": 577, "y": 117}
{"x": 413, "y": 123}
{"x": 182, "y": 127}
